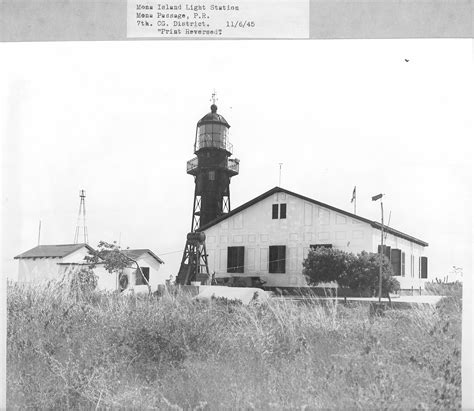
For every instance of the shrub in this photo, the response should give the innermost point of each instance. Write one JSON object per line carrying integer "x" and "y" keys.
{"x": 325, "y": 265}
{"x": 364, "y": 271}
{"x": 358, "y": 272}
{"x": 449, "y": 289}
{"x": 83, "y": 281}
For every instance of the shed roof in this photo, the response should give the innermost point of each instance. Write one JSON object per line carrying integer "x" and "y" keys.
{"x": 52, "y": 251}
{"x": 137, "y": 253}
{"x": 63, "y": 250}
{"x": 274, "y": 190}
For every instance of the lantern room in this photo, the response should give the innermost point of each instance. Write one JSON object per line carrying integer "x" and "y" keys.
{"x": 212, "y": 131}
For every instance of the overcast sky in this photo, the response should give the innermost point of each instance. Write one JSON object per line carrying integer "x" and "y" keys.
{"x": 118, "y": 120}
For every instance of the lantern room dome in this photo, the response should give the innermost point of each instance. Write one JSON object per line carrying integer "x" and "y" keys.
{"x": 213, "y": 117}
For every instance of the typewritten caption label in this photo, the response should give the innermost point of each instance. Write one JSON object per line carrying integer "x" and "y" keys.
{"x": 219, "y": 19}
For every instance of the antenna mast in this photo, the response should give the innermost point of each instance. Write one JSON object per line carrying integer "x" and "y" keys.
{"x": 81, "y": 219}
{"x": 39, "y": 232}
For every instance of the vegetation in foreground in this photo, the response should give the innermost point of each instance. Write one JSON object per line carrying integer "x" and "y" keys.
{"x": 86, "y": 350}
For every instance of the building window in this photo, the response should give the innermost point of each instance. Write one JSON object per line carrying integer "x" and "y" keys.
{"x": 277, "y": 260}
{"x": 235, "y": 259}
{"x": 387, "y": 251}
{"x": 275, "y": 211}
{"x": 315, "y": 246}
{"x": 396, "y": 259}
{"x": 423, "y": 267}
{"x": 212, "y": 175}
{"x": 138, "y": 277}
{"x": 403, "y": 264}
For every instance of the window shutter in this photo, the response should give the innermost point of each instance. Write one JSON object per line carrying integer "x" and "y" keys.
{"x": 424, "y": 267}
{"x": 282, "y": 210}
{"x": 281, "y": 259}
{"x": 273, "y": 256}
{"x": 403, "y": 264}
{"x": 277, "y": 260}
{"x": 235, "y": 259}
{"x": 275, "y": 211}
{"x": 240, "y": 262}
{"x": 396, "y": 259}
{"x": 230, "y": 260}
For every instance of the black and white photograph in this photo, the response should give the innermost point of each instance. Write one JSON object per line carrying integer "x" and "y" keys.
{"x": 236, "y": 224}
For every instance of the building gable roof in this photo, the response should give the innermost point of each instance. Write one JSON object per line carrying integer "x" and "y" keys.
{"x": 63, "y": 250}
{"x": 52, "y": 251}
{"x": 137, "y": 253}
{"x": 274, "y": 190}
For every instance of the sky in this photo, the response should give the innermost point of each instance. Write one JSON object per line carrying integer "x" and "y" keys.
{"x": 118, "y": 120}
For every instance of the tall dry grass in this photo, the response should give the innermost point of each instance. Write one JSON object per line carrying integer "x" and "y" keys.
{"x": 82, "y": 351}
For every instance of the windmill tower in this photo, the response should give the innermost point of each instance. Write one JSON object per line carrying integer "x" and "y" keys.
{"x": 81, "y": 219}
{"x": 212, "y": 169}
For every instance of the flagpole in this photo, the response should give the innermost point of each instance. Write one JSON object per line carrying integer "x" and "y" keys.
{"x": 355, "y": 203}
{"x": 39, "y": 232}
{"x": 354, "y": 199}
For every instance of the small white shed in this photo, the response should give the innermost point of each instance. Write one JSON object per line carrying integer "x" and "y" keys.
{"x": 54, "y": 262}
{"x": 49, "y": 262}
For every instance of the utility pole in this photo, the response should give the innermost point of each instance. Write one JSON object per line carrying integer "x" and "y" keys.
{"x": 381, "y": 256}
{"x": 375, "y": 198}
{"x": 388, "y": 224}
{"x": 279, "y": 178}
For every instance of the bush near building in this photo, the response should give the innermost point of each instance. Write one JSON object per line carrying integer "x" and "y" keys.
{"x": 358, "y": 272}
{"x": 83, "y": 281}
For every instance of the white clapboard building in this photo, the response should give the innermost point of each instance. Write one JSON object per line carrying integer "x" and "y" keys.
{"x": 270, "y": 236}
{"x": 56, "y": 262}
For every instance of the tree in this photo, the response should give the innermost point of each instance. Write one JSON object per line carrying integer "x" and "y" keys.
{"x": 363, "y": 274}
{"x": 326, "y": 265}
{"x": 114, "y": 260}
{"x": 357, "y": 272}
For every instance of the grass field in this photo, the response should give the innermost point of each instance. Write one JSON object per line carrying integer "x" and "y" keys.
{"x": 107, "y": 351}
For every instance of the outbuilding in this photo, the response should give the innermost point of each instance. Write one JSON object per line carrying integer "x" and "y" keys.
{"x": 57, "y": 262}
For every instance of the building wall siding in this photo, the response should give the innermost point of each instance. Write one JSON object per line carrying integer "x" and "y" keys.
{"x": 37, "y": 270}
{"x": 305, "y": 224}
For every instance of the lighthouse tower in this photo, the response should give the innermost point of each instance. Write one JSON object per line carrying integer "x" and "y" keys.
{"x": 212, "y": 169}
